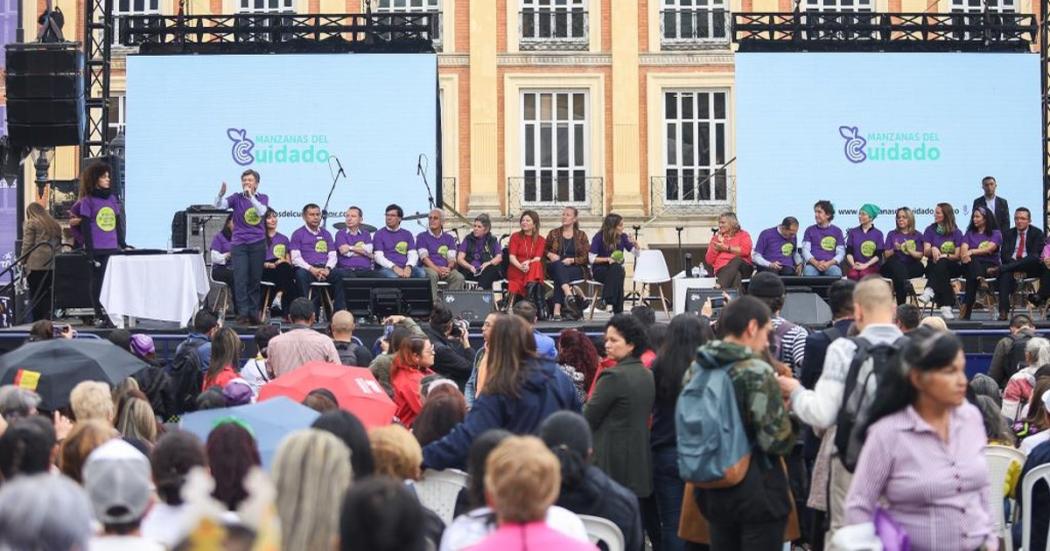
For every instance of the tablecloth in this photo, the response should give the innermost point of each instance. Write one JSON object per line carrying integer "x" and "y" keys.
{"x": 166, "y": 287}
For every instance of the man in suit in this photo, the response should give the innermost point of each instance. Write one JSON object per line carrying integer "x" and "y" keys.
{"x": 1022, "y": 245}
{"x": 997, "y": 205}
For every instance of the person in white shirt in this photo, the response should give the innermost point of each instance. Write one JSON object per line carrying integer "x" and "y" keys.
{"x": 1029, "y": 443}
{"x": 255, "y": 371}
{"x": 175, "y": 454}
{"x": 117, "y": 480}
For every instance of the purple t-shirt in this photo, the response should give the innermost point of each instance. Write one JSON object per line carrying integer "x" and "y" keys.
{"x": 774, "y": 248}
{"x": 279, "y": 244}
{"x": 910, "y": 242}
{"x": 101, "y": 216}
{"x": 484, "y": 249}
{"x": 947, "y": 243}
{"x": 313, "y": 247}
{"x": 220, "y": 243}
{"x": 599, "y": 249}
{"x": 823, "y": 241}
{"x": 394, "y": 244}
{"x": 974, "y": 240}
{"x": 437, "y": 247}
{"x": 356, "y": 262}
{"x": 248, "y": 226}
{"x": 864, "y": 245}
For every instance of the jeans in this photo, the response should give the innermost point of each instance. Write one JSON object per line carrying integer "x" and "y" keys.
{"x": 388, "y": 273}
{"x": 611, "y": 276}
{"x": 247, "y": 262}
{"x": 810, "y": 270}
{"x": 667, "y": 493}
{"x": 334, "y": 279}
{"x": 562, "y": 274}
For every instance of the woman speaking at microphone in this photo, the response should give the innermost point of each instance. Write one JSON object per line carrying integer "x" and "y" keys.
{"x": 248, "y": 245}
{"x": 97, "y": 222}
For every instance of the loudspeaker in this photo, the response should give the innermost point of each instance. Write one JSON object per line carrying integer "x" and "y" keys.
{"x": 471, "y": 306}
{"x": 73, "y": 273}
{"x": 415, "y": 295}
{"x": 45, "y": 94}
{"x": 806, "y": 309}
{"x": 196, "y": 229}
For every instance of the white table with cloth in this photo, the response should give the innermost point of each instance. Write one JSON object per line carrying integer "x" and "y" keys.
{"x": 165, "y": 287}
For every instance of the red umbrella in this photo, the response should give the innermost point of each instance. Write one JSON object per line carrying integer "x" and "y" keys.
{"x": 355, "y": 389}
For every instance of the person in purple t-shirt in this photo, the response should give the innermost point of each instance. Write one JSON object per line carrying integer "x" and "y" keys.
{"x": 905, "y": 248}
{"x": 354, "y": 246}
{"x": 248, "y": 245}
{"x": 97, "y": 223}
{"x": 480, "y": 255}
{"x": 314, "y": 257}
{"x": 864, "y": 244}
{"x": 980, "y": 253}
{"x": 607, "y": 257}
{"x": 942, "y": 246}
{"x": 278, "y": 267}
{"x": 822, "y": 245}
{"x": 219, "y": 253}
{"x": 395, "y": 248}
{"x": 437, "y": 253}
{"x": 777, "y": 249}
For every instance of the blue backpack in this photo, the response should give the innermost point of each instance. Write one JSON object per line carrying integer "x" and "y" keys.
{"x": 713, "y": 448}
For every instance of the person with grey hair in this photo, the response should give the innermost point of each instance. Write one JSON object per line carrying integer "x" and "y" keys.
{"x": 17, "y": 402}
{"x": 1019, "y": 388}
{"x": 729, "y": 252}
{"x": 983, "y": 385}
{"x": 437, "y": 253}
{"x": 995, "y": 427}
{"x": 44, "y": 512}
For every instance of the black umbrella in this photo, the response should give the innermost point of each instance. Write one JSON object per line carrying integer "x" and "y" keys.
{"x": 53, "y": 367}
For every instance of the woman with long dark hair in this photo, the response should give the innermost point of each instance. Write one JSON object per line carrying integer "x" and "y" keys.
{"x": 607, "y": 257}
{"x": 980, "y": 253}
{"x": 225, "y": 359}
{"x": 480, "y": 254}
{"x": 567, "y": 261}
{"x": 278, "y": 267}
{"x": 526, "y": 255}
{"x": 923, "y": 456}
{"x": 685, "y": 334}
{"x": 40, "y": 227}
{"x": 232, "y": 452}
{"x": 412, "y": 362}
{"x": 942, "y": 245}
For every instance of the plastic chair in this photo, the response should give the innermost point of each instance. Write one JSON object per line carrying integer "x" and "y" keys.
{"x": 1042, "y": 472}
{"x": 438, "y": 491}
{"x": 650, "y": 269}
{"x": 600, "y": 529}
{"x": 326, "y": 297}
{"x": 264, "y": 310}
{"x": 222, "y": 296}
{"x": 999, "y": 459}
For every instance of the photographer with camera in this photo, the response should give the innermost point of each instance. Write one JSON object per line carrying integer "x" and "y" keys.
{"x": 453, "y": 357}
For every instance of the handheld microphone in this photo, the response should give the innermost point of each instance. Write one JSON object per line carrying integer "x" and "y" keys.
{"x": 714, "y": 230}
{"x": 340, "y": 165}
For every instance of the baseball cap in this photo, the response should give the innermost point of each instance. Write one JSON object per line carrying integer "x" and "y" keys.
{"x": 766, "y": 285}
{"x": 237, "y": 392}
{"x": 117, "y": 479}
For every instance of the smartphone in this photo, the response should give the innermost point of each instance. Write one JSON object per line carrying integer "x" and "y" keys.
{"x": 57, "y": 330}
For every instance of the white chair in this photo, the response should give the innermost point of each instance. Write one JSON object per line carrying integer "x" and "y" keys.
{"x": 1042, "y": 472}
{"x": 222, "y": 295}
{"x": 999, "y": 459}
{"x": 651, "y": 269}
{"x": 600, "y": 529}
{"x": 438, "y": 491}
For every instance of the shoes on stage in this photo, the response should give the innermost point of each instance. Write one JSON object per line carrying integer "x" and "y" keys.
{"x": 926, "y": 297}
{"x": 964, "y": 312}
{"x": 946, "y": 313}
{"x": 1036, "y": 300}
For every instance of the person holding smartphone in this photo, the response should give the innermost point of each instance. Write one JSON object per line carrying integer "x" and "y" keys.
{"x": 248, "y": 244}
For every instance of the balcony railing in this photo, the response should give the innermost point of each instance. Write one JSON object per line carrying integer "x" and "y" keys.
{"x": 698, "y": 194}
{"x": 688, "y": 28}
{"x": 554, "y": 29}
{"x": 436, "y": 21}
{"x": 548, "y": 195}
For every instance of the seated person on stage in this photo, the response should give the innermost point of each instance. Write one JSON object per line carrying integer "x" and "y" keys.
{"x": 1020, "y": 255}
{"x": 395, "y": 248}
{"x": 942, "y": 245}
{"x": 607, "y": 257}
{"x": 278, "y": 267}
{"x": 220, "y": 255}
{"x": 567, "y": 248}
{"x": 822, "y": 245}
{"x": 354, "y": 245}
{"x": 313, "y": 254}
{"x": 437, "y": 252}
{"x": 864, "y": 244}
{"x": 480, "y": 254}
{"x": 777, "y": 249}
{"x": 729, "y": 252}
{"x": 526, "y": 255}
{"x": 904, "y": 250}
{"x": 980, "y": 253}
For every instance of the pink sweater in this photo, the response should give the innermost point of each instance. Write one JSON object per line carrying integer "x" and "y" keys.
{"x": 534, "y": 536}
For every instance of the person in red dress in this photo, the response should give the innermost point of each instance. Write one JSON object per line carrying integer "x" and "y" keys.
{"x": 526, "y": 255}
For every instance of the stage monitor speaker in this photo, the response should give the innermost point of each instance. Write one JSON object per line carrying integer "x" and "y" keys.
{"x": 197, "y": 229}
{"x": 806, "y": 309}
{"x": 45, "y": 94}
{"x": 73, "y": 273}
{"x": 415, "y": 299}
{"x": 471, "y": 306}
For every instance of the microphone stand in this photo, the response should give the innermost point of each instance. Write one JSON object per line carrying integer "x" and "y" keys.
{"x": 634, "y": 296}
{"x": 681, "y": 258}
{"x": 423, "y": 173}
{"x": 324, "y": 211}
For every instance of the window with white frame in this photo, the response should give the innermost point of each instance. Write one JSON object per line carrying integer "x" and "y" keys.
{"x": 266, "y": 6}
{"x": 416, "y": 6}
{"x": 686, "y": 21}
{"x": 123, "y": 8}
{"x": 696, "y": 127}
{"x": 117, "y": 116}
{"x": 841, "y": 6}
{"x": 553, "y": 23}
{"x": 977, "y": 6}
{"x": 554, "y": 143}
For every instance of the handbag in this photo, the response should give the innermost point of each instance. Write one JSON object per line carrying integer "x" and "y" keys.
{"x": 890, "y": 532}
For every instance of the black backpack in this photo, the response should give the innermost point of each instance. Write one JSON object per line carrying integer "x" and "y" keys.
{"x": 1015, "y": 359}
{"x": 187, "y": 374}
{"x": 869, "y": 361}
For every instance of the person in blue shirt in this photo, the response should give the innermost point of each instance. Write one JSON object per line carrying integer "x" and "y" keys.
{"x": 546, "y": 349}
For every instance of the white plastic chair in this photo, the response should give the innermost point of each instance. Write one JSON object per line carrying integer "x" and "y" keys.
{"x": 651, "y": 269}
{"x": 600, "y": 529}
{"x": 999, "y": 459}
{"x": 438, "y": 491}
{"x": 1042, "y": 472}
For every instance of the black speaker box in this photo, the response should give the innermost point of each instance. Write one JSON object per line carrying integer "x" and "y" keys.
{"x": 471, "y": 306}
{"x": 44, "y": 58}
{"x": 67, "y": 86}
{"x": 196, "y": 229}
{"x": 73, "y": 274}
{"x": 45, "y": 94}
{"x": 43, "y": 111}
{"x": 44, "y": 135}
{"x": 806, "y": 308}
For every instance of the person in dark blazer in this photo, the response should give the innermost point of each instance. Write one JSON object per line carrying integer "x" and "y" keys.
{"x": 619, "y": 408}
{"x": 997, "y": 205}
{"x": 1022, "y": 245}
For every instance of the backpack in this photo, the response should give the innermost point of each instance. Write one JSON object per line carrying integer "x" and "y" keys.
{"x": 1015, "y": 359}
{"x": 869, "y": 361}
{"x": 713, "y": 448}
{"x": 776, "y": 339}
{"x": 187, "y": 374}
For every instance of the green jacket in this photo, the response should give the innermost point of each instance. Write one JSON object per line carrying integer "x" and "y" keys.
{"x": 758, "y": 396}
